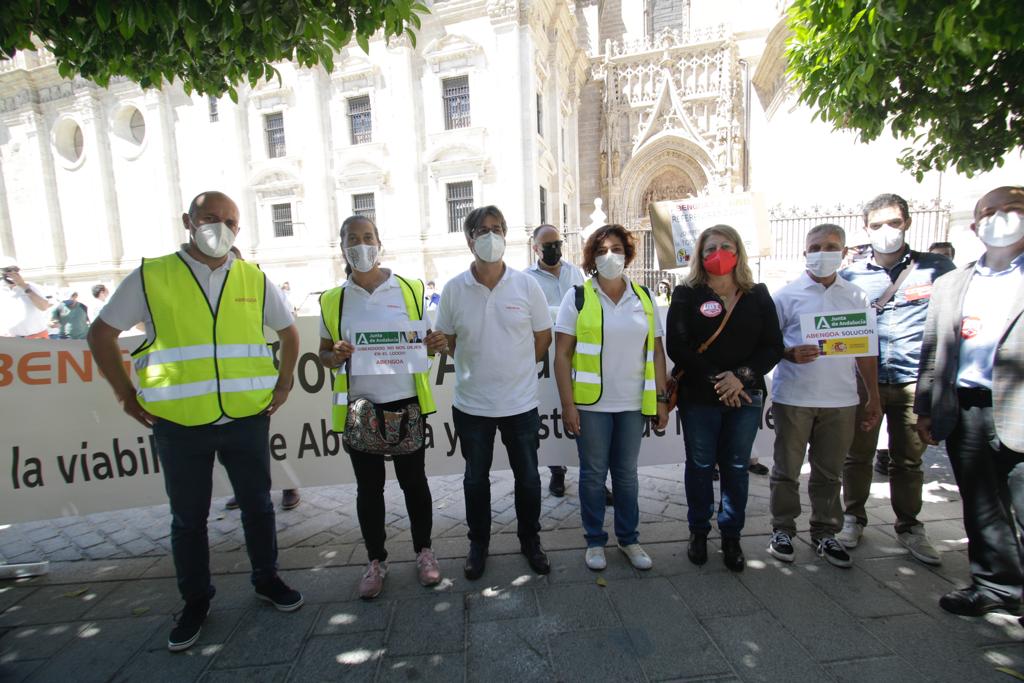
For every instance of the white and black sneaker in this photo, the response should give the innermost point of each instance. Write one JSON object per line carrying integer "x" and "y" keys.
{"x": 833, "y": 552}
{"x": 781, "y": 546}
{"x": 187, "y": 625}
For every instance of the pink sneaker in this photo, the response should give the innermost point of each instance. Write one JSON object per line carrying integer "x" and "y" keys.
{"x": 372, "y": 582}
{"x": 426, "y": 565}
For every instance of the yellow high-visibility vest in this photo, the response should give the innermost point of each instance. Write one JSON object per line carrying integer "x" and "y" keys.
{"x": 331, "y": 302}
{"x": 203, "y": 365}
{"x": 587, "y": 357}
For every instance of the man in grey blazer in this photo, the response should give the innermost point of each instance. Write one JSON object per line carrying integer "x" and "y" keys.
{"x": 970, "y": 393}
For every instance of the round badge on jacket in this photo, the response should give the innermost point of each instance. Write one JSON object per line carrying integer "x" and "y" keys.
{"x": 711, "y": 309}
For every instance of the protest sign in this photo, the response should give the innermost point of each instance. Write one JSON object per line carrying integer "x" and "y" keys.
{"x": 841, "y": 333}
{"x": 66, "y": 447}
{"x": 677, "y": 224}
{"x": 383, "y": 350}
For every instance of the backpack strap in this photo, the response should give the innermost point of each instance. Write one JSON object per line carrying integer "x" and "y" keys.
{"x": 579, "y": 297}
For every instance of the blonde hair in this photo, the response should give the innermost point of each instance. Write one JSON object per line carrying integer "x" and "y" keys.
{"x": 741, "y": 275}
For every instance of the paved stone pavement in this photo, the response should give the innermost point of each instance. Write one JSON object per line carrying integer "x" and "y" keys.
{"x": 104, "y": 611}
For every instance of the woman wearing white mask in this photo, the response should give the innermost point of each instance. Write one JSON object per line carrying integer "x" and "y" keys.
{"x": 373, "y": 296}
{"x": 610, "y": 370}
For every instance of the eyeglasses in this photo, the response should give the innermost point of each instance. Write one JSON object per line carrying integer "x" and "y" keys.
{"x": 12, "y": 269}
{"x": 483, "y": 231}
{"x": 556, "y": 243}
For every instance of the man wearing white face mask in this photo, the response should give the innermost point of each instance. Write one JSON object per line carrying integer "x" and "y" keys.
{"x": 207, "y": 385}
{"x": 499, "y": 327}
{"x": 971, "y": 395}
{"x": 898, "y": 282}
{"x": 815, "y": 402}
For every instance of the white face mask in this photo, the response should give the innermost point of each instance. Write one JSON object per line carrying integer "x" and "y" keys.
{"x": 214, "y": 239}
{"x": 1001, "y": 229}
{"x": 886, "y": 239}
{"x": 610, "y": 265}
{"x": 362, "y": 257}
{"x": 823, "y": 263}
{"x": 489, "y": 247}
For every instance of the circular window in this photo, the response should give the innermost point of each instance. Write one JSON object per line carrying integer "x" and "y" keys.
{"x": 128, "y": 131}
{"x": 137, "y": 126}
{"x": 69, "y": 142}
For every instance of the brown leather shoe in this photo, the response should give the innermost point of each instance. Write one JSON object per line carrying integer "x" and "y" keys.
{"x": 290, "y": 498}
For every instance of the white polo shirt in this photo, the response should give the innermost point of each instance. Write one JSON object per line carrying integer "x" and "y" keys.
{"x": 127, "y": 307}
{"x": 623, "y": 347}
{"x": 824, "y": 382}
{"x": 554, "y": 288}
{"x": 385, "y": 304}
{"x": 495, "y": 365}
{"x": 19, "y": 317}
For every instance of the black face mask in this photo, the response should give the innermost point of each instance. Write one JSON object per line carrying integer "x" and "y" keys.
{"x": 551, "y": 253}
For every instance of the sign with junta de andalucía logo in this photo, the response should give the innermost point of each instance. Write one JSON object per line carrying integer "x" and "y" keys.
{"x": 383, "y": 350}
{"x": 841, "y": 333}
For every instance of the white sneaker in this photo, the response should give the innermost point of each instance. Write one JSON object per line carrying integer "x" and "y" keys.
{"x": 916, "y": 541}
{"x": 637, "y": 557}
{"x": 595, "y": 558}
{"x": 851, "y": 533}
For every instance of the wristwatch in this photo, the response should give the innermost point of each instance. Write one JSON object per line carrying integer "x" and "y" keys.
{"x": 662, "y": 397}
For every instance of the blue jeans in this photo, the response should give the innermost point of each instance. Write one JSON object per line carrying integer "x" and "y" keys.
{"x": 609, "y": 441}
{"x": 718, "y": 434}
{"x": 186, "y": 457}
{"x": 520, "y": 435}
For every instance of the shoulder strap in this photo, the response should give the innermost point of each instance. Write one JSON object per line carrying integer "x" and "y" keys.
{"x": 728, "y": 314}
{"x": 891, "y": 290}
{"x": 579, "y": 297}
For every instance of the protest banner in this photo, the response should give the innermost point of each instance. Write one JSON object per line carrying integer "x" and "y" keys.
{"x": 677, "y": 224}
{"x": 841, "y": 333}
{"x": 67, "y": 448}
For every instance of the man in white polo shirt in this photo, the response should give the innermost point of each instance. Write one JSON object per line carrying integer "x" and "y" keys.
{"x": 815, "y": 401}
{"x": 498, "y": 328}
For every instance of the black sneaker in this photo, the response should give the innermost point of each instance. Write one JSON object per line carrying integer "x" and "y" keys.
{"x": 557, "y": 485}
{"x": 833, "y": 552}
{"x": 278, "y": 593}
{"x": 697, "y": 548}
{"x": 187, "y": 625}
{"x": 535, "y": 555}
{"x": 781, "y": 546}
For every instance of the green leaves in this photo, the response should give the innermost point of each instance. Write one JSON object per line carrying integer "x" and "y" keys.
{"x": 942, "y": 74}
{"x": 211, "y": 45}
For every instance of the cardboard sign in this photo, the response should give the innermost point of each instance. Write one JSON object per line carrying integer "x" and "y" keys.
{"x": 676, "y": 225}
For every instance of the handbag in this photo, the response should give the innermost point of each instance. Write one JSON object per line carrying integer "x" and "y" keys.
{"x": 375, "y": 430}
{"x": 672, "y": 383}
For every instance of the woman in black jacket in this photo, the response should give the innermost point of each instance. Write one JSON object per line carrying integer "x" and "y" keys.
{"x": 721, "y": 394}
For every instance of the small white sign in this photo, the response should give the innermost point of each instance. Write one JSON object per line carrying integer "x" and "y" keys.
{"x": 841, "y": 333}
{"x": 384, "y": 350}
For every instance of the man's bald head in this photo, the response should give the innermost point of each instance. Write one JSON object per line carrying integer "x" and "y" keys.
{"x": 1006, "y": 198}
{"x": 205, "y": 199}
{"x": 211, "y": 207}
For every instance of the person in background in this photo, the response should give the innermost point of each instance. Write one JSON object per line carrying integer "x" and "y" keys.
{"x": 556, "y": 276}
{"x": 23, "y": 306}
{"x": 944, "y": 249}
{"x": 610, "y": 371}
{"x": 290, "y": 498}
{"x": 100, "y": 294}
{"x": 201, "y": 403}
{"x": 432, "y": 299}
{"x": 814, "y": 402}
{"x": 373, "y": 296}
{"x": 498, "y": 327}
{"x": 71, "y": 317}
{"x": 970, "y": 394}
{"x": 898, "y": 282}
{"x": 723, "y": 388}
{"x": 664, "y": 296}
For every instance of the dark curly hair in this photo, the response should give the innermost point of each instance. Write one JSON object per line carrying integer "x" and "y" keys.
{"x": 589, "y": 264}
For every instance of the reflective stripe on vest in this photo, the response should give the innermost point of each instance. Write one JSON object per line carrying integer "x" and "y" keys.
{"x": 201, "y": 366}
{"x": 331, "y": 302}
{"x": 587, "y": 357}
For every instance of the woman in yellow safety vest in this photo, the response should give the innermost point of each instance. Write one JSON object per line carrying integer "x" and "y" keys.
{"x": 610, "y": 370}
{"x": 371, "y": 296}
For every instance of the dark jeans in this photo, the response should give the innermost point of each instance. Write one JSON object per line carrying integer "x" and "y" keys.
{"x": 476, "y": 440}
{"x": 186, "y": 456}
{"x": 718, "y": 434}
{"x": 370, "y": 475}
{"x": 991, "y": 481}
